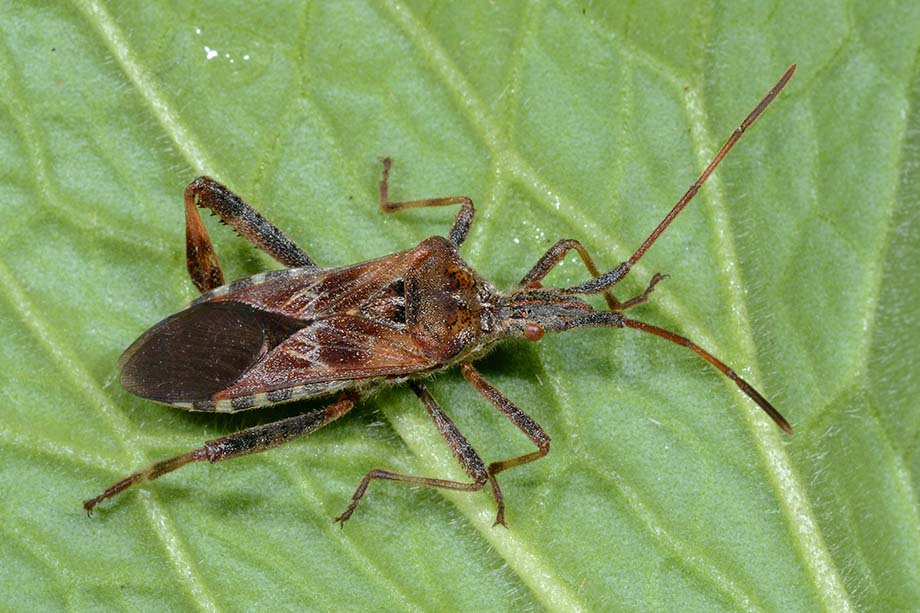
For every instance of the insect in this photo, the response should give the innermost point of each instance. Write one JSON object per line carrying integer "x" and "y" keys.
{"x": 307, "y": 331}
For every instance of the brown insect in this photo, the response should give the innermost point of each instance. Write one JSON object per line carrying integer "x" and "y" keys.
{"x": 308, "y": 331}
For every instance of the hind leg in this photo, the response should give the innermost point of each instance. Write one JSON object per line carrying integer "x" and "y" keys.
{"x": 201, "y": 260}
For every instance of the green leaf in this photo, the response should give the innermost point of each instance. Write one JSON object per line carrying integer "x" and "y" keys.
{"x": 666, "y": 488}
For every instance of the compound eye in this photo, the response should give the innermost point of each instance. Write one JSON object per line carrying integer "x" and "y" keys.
{"x": 533, "y": 331}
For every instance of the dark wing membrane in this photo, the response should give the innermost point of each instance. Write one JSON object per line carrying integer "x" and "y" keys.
{"x": 202, "y": 350}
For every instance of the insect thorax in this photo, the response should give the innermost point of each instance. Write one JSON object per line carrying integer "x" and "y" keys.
{"x": 449, "y": 309}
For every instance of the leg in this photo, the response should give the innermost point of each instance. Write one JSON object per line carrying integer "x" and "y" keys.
{"x": 643, "y": 297}
{"x": 557, "y": 252}
{"x": 520, "y": 419}
{"x": 251, "y": 440}
{"x": 464, "y": 453}
{"x": 462, "y": 223}
{"x": 202, "y": 262}
{"x": 554, "y": 255}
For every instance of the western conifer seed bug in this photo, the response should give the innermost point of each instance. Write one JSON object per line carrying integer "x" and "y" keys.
{"x": 307, "y": 331}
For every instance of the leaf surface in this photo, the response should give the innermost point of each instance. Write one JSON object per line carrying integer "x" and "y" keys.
{"x": 665, "y": 489}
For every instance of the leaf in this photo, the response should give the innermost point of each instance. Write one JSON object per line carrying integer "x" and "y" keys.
{"x": 665, "y": 488}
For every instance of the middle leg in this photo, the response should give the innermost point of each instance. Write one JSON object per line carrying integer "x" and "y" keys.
{"x": 463, "y": 451}
{"x": 519, "y": 418}
{"x": 462, "y": 223}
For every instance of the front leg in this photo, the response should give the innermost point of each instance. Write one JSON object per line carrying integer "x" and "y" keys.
{"x": 557, "y": 253}
{"x": 203, "y": 265}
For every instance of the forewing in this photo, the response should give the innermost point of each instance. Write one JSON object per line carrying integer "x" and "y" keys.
{"x": 315, "y": 293}
{"x": 334, "y": 349}
{"x": 285, "y": 334}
